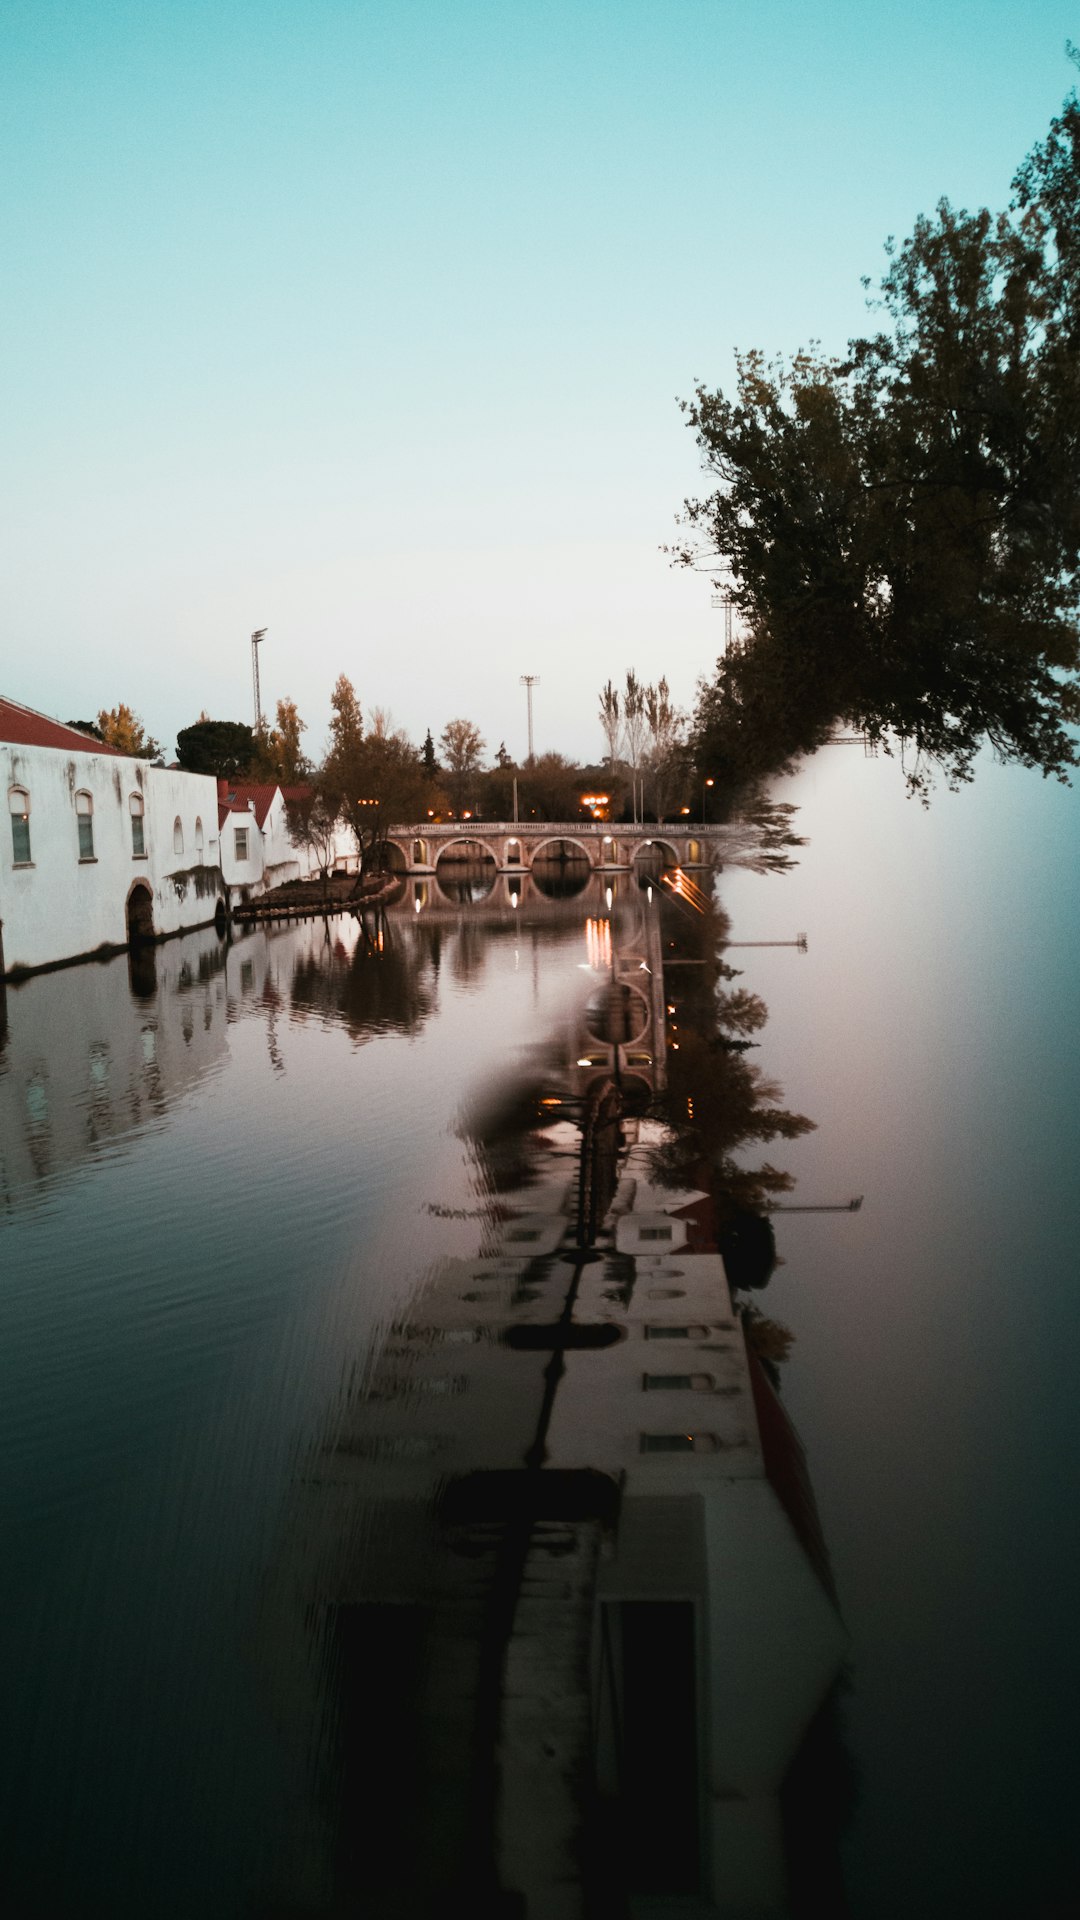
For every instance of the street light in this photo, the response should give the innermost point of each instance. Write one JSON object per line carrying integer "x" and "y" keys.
{"x": 704, "y": 785}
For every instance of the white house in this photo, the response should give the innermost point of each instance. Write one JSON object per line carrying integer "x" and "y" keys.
{"x": 100, "y": 849}
{"x": 256, "y": 848}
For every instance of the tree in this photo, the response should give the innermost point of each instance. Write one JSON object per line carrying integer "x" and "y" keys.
{"x": 280, "y": 756}
{"x": 462, "y": 746}
{"x": 634, "y": 720}
{"x": 121, "y": 728}
{"x": 225, "y": 748}
{"x": 427, "y": 752}
{"x": 611, "y": 722}
{"x": 551, "y": 788}
{"x": 371, "y": 782}
{"x": 503, "y": 760}
{"x": 665, "y": 754}
{"x": 346, "y": 719}
{"x": 900, "y": 524}
{"x": 312, "y": 814}
{"x": 87, "y": 726}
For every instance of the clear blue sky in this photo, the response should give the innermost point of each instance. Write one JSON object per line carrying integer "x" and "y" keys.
{"x": 363, "y": 320}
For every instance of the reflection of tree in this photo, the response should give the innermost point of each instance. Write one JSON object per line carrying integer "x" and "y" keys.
{"x": 468, "y": 954}
{"x": 381, "y": 987}
{"x": 716, "y": 1103}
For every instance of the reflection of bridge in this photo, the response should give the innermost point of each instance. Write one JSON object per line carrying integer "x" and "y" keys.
{"x": 621, "y": 1034}
{"x": 515, "y": 845}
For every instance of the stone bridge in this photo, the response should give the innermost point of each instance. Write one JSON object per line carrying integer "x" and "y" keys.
{"x": 607, "y": 846}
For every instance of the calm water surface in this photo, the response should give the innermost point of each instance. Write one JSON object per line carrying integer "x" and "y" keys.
{"x": 220, "y": 1186}
{"x": 216, "y": 1194}
{"x": 932, "y": 1029}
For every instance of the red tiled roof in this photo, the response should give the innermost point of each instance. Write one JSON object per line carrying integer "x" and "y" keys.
{"x": 234, "y": 795}
{"x": 22, "y": 727}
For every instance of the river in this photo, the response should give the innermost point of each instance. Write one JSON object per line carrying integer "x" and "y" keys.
{"x": 224, "y": 1185}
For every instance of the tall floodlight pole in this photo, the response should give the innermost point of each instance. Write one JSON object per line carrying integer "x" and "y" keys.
{"x": 529, "y": 681}
{"x": 256, "y": 639}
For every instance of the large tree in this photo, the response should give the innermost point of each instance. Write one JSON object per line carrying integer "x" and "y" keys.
{"x": 122, "y": 728}
{"x": 372, "y": 781}
{"x": 280, "y": 756}
{"x": 900, "y": 527}
{"x": 461, "y": 745}
{"x": 226, "y": 748}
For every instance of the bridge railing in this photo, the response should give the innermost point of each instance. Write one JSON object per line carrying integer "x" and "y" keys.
{"x": 607, "y": 829}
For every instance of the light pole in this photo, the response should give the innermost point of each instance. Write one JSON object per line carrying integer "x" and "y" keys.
{"x": 257, "y": 639}
{"x": 704, "y": 785}
{"x": 529, "y": 681}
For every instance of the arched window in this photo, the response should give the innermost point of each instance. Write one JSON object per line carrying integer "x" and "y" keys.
{"x": 198, "y": 833}
{"x": 137, "y": 809}
{"x": 84, "y": 814}
{"x": 19, "y": 805}
{"x": 178, "y": 835}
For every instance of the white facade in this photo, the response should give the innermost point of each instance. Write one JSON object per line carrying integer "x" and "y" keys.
{"x": 257, "y": 851}
{"x": 97, "y": 846}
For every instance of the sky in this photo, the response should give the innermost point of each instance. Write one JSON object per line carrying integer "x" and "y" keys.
{"x": 365, "y": 321}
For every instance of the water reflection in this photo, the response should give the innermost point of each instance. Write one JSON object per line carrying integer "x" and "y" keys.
{"x": 466, "y": 874}
{"x": 565, "y": 1430}
{"x": 560, "y": 870}
{"x": 89, "y": 1056}
{"x": 413, "y": 1445}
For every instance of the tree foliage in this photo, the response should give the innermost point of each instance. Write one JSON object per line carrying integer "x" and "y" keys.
{"x": 611, "y": 722}
{"x": 900, "y": 526}
{"x": 462, "y": 746}
{"x": 225, "y": 748}
{"x": 122, "y": 728}
{"x": 279, "y": 755}
{"x": 371, "y": 781}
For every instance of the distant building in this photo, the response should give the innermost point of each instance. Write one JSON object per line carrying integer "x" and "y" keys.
{"x": 101, "y": 849}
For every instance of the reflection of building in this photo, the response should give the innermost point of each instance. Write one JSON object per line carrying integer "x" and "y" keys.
{"x": 99, "y": 847}
{"x": 562, "y": 1540}
{"x": 91, "y": 1054}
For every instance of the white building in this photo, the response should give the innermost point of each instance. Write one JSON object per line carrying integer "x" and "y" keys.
{"x": 257, "y": 849}
{"x": 100, "y": 849}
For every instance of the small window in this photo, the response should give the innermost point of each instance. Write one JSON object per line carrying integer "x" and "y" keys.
{"x": 678, "y": 1443}
{"x": 522, "y": 1235}
{"x": 178, "y": 835}
{"x": 84, "y": 814}
{"x": 19, "y": 804}
{"x": 198, "y": 834}
{"x": 136, "y": 807}
{"x": 654, "y": 1233}
{"x": 240, "y": 842}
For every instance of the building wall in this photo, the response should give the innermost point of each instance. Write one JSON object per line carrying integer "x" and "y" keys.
{"x": 242, "y": 873}
{"x": 60, "y": 906}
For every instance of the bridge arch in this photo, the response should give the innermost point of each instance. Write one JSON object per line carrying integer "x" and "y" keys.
{"x": 564, "y": 840}
{"x": 664, "y": 850}
{"x": 468, "y": 846}
{"x": 470, "y": 875}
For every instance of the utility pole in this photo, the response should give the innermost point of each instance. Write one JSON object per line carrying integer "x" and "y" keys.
{"x": 256, "y": 640}
{"x": 529, "y": 681}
